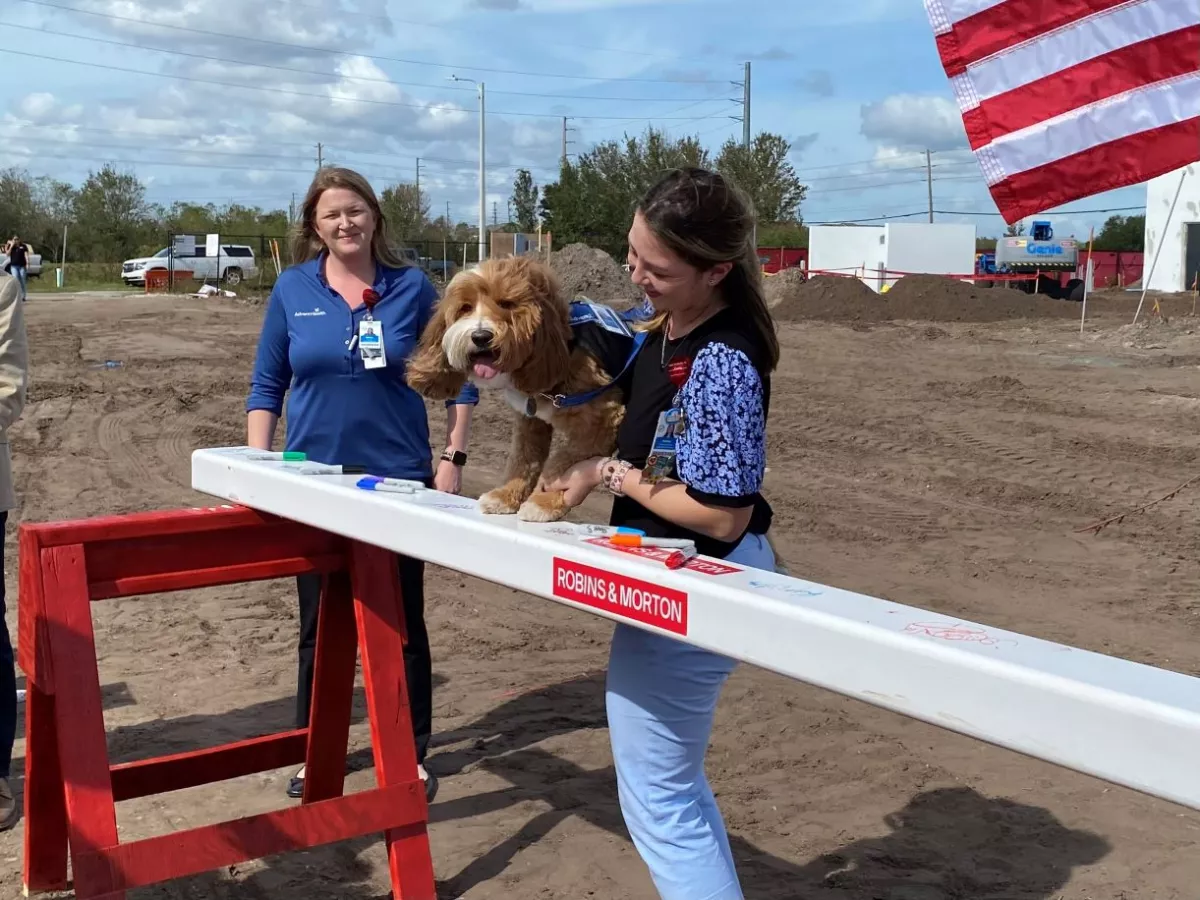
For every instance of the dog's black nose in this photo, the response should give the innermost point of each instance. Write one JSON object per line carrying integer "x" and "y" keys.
{"x": 482, "y": 338}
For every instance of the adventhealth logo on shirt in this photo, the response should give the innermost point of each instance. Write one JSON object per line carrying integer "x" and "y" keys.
{"x": 317, "y": 311}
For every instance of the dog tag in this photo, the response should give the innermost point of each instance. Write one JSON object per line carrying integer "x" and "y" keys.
{"x": 660, "y": 464}
{"x": 370, "y": 344}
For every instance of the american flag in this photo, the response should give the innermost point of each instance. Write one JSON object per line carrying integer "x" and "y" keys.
{"x": 1063, "y": 99}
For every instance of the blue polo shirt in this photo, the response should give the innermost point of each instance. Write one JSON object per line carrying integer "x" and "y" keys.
{"x": 338, "y": 411}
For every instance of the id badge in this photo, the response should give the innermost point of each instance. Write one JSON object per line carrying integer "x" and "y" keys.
{"x": 660, "y": 464}
{"x": 370, "y": 344}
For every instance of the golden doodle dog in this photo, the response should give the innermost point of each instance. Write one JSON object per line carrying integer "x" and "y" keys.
{"x": 506, "y": 326}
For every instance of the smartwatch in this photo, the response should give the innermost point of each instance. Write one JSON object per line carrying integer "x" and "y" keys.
{"x": 455, "y": 456}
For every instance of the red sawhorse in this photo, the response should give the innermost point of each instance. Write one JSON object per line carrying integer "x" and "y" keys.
{"x": 70, "y": 787}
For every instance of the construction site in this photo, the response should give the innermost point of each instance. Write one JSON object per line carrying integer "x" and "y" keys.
{"x": 962, "y": 449}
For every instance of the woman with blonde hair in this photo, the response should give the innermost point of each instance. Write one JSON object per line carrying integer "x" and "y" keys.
{"x": 338, "y": 328}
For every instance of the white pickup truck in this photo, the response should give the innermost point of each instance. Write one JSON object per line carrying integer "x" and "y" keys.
{"x": 33, "y": 262}
{"x": 236, "y": 262}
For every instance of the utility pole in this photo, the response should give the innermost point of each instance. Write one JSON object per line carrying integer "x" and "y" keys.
{"x": 419, "y": 181}
{"x": 746, "y": 108}
{"x": 320, "y": 157}
{"x": 482, "y": 164}
{"x": 929, "y": 182}
{"x": 495, "y": 213}
{"x": 565, "y": 141}
{"x": 744, "y": 118}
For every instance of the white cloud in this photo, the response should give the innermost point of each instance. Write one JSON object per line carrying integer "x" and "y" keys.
{"x": 914, "y": 122}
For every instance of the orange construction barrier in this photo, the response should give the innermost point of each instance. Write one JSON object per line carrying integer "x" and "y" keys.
{"x": 70, "y": 787}
{"x": 157, "y": 280}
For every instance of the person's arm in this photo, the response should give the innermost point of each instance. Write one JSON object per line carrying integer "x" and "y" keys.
{"x": 270, "y": 378}
{"x": 721, "y": 459}
{"x": 14, "y": 354}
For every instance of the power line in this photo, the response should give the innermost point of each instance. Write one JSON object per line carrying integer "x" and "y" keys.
{"x": 376, "y": 173}
{"x": 338, "y": 75}
{"x": 207, "y": 151}
{"x": 225, "y": 36}
{"x": 460, "y": 29}
{"x": 1057, "y": 212}
{"x": 307, "y": 145}
{"x": 870, "y": 219}
{"x": 273, "y": 90}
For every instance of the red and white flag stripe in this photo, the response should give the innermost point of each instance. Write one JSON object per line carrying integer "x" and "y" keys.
{"x": 1063, "y": 99}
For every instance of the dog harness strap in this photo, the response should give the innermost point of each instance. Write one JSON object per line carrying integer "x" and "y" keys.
{"x": 563, "y": 401}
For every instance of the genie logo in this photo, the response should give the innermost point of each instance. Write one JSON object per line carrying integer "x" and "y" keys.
{"x": 1044, "y": 249}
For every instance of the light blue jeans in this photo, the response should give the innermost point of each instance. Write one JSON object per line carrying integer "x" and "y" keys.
{"x": 21, "y": 274}
{"x": 661, "y": 696}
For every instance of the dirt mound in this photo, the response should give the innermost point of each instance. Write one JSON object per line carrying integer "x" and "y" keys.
{"x": 585, "y": 270}
{"x": 935, "y": 298}
{"x": 826, "y": 297}
{"x": 781, "y": 286}
{"x": 923, "y": 298}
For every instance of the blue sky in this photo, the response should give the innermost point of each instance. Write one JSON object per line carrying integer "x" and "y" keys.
{"x": 210, "y": 116}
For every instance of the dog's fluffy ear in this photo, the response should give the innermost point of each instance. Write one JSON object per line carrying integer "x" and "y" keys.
{"x": 548, "y": 333}
{"x": 428, "y": 371}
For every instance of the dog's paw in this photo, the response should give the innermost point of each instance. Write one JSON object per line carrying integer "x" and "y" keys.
{"x": 543, "y": 507}
{"x": 497, "y": 503}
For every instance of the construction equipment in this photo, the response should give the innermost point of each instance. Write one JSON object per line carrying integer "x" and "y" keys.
{"x": 1040, "y": 251}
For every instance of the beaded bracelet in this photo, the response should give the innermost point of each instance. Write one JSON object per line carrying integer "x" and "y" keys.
{"x": 612, "y": 475}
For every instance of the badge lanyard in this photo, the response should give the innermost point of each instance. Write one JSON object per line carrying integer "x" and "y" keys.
{"x": 660, "y": 464}
{"x": 370, "y": 335}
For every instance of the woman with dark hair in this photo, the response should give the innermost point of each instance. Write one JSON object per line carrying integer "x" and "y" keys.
{"x": 706, "y": 365}
{"x": 339, "y": 325}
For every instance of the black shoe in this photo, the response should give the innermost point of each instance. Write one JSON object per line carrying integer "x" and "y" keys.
{"x": 295, "y": 788}
{"x": 9, "y": 811}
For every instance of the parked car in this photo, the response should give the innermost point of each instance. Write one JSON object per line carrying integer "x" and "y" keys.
{"x": 236, "y": 262}
{"x": 33, "y": 262}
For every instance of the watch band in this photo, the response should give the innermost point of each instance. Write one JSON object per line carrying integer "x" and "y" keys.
{"x": 458, "y": 457}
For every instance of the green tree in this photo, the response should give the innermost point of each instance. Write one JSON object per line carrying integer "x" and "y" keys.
{"x": 780, "y": 234}
{"x": 763, "y": 171}
{"x": 1122, "y": 233}
{"x": 407, "y": 212}
{"x": 594, "y": 197}
{"x": 525, "y": 201}
{"x": 17, "y": 211}
{"x": 112, "y": 219}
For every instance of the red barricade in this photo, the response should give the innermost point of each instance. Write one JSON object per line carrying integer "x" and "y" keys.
{"x": 70, "y": 787}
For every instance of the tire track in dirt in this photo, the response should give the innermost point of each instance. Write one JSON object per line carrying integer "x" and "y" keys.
{"x": 115, "y": 438}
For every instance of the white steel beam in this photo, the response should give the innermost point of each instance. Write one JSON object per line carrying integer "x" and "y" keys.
{"x": 1121, "y": 721}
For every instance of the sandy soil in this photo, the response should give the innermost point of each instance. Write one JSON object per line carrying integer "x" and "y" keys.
{"x": 944, "y": 465}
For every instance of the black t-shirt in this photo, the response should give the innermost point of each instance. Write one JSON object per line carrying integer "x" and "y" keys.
{"x": 16, "y": 256}
{"x": 726, "y": 399}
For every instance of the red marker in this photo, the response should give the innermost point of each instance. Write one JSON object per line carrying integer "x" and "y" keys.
{"x": 680, "y": 558}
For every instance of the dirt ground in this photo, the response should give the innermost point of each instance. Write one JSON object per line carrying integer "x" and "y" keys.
{"x": 941, "y": 464}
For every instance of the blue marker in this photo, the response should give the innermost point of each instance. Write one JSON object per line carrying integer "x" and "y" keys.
{"x": 390, "y": 485}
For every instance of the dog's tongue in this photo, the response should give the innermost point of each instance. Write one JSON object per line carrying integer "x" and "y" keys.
{"x": 485, "y": 371}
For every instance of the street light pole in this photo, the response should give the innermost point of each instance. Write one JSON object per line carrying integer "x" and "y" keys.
{"x": 482, "y": 177}
{"x": 482, "y": 163}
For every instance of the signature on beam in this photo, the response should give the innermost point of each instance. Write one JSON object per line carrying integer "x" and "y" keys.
{"x": 955, "y": 632}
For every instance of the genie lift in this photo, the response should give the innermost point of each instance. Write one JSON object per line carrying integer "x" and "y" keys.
{"x": 1038, "y": 251}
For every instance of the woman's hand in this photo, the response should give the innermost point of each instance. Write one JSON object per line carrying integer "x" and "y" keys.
{"x": 448, "y": 477}
{"x": 578, "y": 481}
